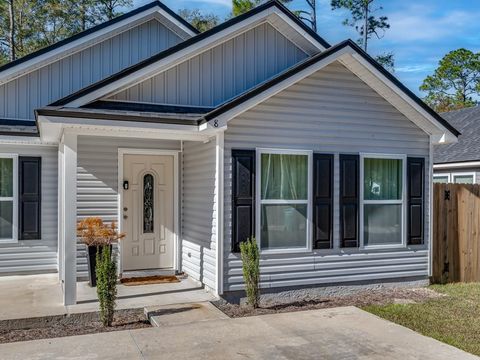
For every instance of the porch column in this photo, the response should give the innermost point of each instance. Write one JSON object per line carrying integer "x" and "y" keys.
{"x": 219, "y": 194}
{"x": 69, "y": 218}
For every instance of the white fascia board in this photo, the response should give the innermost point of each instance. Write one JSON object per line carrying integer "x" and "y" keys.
{"x": 23, "y": 140}
{"x": 444, "y": 135}
{"x": 176, "y": 23}
{"x": 222, "y": 119}
{"x": 466, "y": 164}
{"x": 172, "y": 60}
{"x": 83, "y": 42}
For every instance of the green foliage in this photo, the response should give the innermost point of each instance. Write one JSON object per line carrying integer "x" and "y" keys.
{"x": 200, "y": 21}
{"x": 251, "y": 270}
{"x": 455, "y": 83}
{"x": 106, "y": 272}
{"x": 242, "y": 6}
{"x": 387, "y": 61}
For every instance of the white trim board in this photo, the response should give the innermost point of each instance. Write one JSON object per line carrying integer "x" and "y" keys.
{"x": 465, "y": 164}
{"x": 14, "y": 198}
{"x": 176, "y": 219}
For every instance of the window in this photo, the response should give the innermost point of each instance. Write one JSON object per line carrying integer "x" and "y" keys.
{"x": 284, "y": 195}
{"x": 441, "y": 179}
{"x": 148, "y": 215}
{"x": 463, "y": 178}
{"x": 8, "y": 198}
{"x": 382, "y": 193}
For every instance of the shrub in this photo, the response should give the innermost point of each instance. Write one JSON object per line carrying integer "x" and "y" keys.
{"x": 251, "y": 270}
{"x": 106, "y": 284}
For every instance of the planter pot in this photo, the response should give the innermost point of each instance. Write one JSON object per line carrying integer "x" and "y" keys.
{"x": 92, "y": 263}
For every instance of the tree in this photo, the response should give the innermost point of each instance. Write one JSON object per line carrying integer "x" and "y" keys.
{"x": 366, "y": 24}
{"x": 242, "y": 6}
{"x": 200, "y": 21}
{"x": 107, "y": 9}
{"x": 455, "y": 83}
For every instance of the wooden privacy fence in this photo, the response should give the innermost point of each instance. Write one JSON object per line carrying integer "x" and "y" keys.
{"x": 456, "y": 233}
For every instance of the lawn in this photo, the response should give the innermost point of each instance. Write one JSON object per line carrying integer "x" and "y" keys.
{"x": 453, "y": 318}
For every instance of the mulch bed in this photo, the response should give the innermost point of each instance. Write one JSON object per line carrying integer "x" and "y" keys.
{"x": 359, "y": 299}
{"x": 68, "y": 325}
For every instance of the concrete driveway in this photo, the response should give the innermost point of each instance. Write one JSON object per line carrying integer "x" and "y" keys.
{"x": 340, "y": 333}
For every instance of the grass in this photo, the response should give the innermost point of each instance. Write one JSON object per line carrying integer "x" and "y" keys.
{"x": 453, "y": 318}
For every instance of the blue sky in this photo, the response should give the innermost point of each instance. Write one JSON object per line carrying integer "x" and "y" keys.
{"x": 421, "y": 32}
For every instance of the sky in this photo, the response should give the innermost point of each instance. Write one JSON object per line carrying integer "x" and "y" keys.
{"x": 421, "y": 31}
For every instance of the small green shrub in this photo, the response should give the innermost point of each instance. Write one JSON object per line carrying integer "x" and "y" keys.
{"x": 251, "y": 270}
{"x": 106, "y": 273}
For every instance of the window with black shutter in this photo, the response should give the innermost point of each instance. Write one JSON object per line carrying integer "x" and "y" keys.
{"x": 415, "y": 195}
{"x": 322, "y": 201}
{"x": 349, "y": 200}
{"x": 29, "y": 198}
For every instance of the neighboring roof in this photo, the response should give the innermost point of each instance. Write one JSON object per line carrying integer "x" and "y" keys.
{"x": 147, "y": 107}
{"x": 18, "y": 127}
{"x": 468, "y": 146}
{"x": 189, "y": 42}
{"x": 313, "y": 60}
{"x": 97, "y": 28}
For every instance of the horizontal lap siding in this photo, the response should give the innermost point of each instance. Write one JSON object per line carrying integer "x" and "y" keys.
{"x": 34, "y": 256}
{"x": 198, "y": 211}
{"x": 19, "y": 97}
{"x": 222, "y": 72}
{"x": 334, "y": 112}
{"x": 97, "y": 179}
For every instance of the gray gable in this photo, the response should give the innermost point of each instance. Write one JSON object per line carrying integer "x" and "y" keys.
{"x": 467, "y": 121}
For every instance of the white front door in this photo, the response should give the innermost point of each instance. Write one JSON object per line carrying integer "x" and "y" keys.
{"x": 148, "y": 212}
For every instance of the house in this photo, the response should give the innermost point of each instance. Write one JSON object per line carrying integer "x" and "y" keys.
{"x": 460, "y": 162}
{"x": 195, "y": 142}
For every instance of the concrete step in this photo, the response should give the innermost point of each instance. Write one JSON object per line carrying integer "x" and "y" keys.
{"x": 179, "y": 314}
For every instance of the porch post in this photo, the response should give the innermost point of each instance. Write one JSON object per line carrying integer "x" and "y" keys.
{"x": 61, "y": 239}
{"x": 219, "y": 210}
{"x": 70, "y": 218}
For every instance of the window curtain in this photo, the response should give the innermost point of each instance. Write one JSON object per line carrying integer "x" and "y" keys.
{"x": 284, "y": 177}
{"x": 382, "y": 179}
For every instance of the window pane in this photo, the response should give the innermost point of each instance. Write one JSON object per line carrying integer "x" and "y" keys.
{"x": 382, "y": 224}
{"x": 6, "y": 177}
{"x": 440, "y": 179}
{"x": 463, "y": 179}
{"x": 382, "y": 179}
{"x": 284, "y": 177}
{"x": 284, "y": 226}
{"x": 6, "y": 219}
{"x": 148, "y": 204}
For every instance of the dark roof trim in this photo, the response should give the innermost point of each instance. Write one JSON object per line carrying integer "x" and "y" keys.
{"x": 20, "y": 133}
{"x": 145, "y": 107}
{"x": 95, "y": 29}
{"x": 14, "y": 124}
{"x": 186, "y": 44}
{"x": 119, "y": 117}
{"x": 314, "y": 59}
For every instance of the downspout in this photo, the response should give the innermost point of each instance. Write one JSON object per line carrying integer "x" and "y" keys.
{"x": 430, "y": 209}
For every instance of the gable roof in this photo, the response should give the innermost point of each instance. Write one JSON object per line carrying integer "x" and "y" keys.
{"x": 273, "y": 4}
{"x": 155, "y": 5}
{"x": 310, "y": 62}
{"x": 468, "y": 146}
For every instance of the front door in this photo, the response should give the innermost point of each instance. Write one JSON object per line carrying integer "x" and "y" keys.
{"x": 148, "y": 212}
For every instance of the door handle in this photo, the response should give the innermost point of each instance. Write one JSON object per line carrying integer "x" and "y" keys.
{"x": 125, "y": 209}
{"x": 125, "y": 216}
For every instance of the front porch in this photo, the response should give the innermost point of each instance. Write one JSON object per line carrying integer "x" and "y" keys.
{"x": 42, "y": 295}
{"x": 103, "y": 168}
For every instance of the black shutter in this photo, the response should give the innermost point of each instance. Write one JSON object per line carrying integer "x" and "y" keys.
{"x": 322, "y": 201}
{"x": 243, "y": 197}
{"x": 29, "y": 199}
{"x": 415, "y": 196}
{"x": 349, "y": 200}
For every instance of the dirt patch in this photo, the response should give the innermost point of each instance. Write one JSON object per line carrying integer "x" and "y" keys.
{"x": 68, "y": 325}
{"x": 360, "y": 299}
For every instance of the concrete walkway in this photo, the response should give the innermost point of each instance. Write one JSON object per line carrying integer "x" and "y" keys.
{"x": 41, "y": 295}
{"x": 340, "y": 333}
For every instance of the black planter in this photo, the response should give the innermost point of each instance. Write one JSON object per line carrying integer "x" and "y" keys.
{"x": 92, "y": 263}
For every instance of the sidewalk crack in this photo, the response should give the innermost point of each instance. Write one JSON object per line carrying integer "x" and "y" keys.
{"x": 138, "y": 347}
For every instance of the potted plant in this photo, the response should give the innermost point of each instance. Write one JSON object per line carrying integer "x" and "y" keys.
{"x": 97, "y": 235}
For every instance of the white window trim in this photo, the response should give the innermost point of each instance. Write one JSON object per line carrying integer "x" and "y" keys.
{"x": 259, "y": 202}
{"x": 443, "y": 175}
{"x": 403, "y": 201}
{"x": 13, "y": 198}
{"x": 470, "y": 173}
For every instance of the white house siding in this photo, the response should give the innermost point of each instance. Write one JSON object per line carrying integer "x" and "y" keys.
{"x": 222, "y": 72}
{"x": 34, "y": 256}
{"x": 97, "y": 179}
{"x": 331, "y": 111}
{"x": 19, "y": 97}
{"x": 198, "y": 211}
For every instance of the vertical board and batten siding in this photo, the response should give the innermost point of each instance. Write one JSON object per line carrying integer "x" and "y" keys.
{"x": 220, "y": 73}
{"x": 198, "y": 211}
{"x": 19, "y": 97}
{"x": 334, "y": 112}
{"x": 97, "y": 179}
{"x": 38, "y": 255}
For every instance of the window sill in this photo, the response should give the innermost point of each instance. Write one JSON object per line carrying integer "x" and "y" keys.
{"x": 8, "y": 241}
{"x": 381, "y": 247}
{"x": 285, "y": 251}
